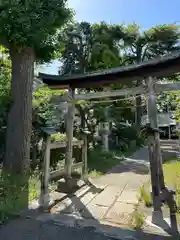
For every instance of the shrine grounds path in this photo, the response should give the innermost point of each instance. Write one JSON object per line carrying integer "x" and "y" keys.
{"x": 102, "y": 213}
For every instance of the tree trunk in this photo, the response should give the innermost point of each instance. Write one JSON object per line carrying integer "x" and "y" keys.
{"x": 17, "y": 157}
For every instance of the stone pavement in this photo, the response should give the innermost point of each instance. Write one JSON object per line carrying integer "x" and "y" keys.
{"x": 111, "y": 198}
{"x": 110, "y": 201}
{"x": 106, "y": 206}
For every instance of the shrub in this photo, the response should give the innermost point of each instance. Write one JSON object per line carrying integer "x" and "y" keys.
{"x": 16, "y": 192}
{"x": 99, "y": 162}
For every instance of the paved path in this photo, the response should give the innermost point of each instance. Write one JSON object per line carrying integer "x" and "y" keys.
{"x": 120, "y": 197}
{"x": 112, "y": 198}
{"x": 94, "y": 210}
{"x": 129, "y": 174}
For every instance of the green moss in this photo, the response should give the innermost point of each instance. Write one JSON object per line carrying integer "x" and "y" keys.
{"x": 60, "y": 137}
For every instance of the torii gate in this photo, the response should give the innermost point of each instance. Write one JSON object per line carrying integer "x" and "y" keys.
{"x": 149, "y": 70}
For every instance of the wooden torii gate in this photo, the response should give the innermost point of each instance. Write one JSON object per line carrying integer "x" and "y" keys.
{"x": 149, "y": 71}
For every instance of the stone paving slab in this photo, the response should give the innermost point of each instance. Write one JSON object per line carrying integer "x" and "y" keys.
{"x": 78, "y": 201}
{"x": 107, "y": 197}
{"x": 89, "y": 196}
{"x": 94, "y": 212}
{"x": 128, "y": 197}
{"x": 120, "y": 213}
{"x": 79, "y": 204}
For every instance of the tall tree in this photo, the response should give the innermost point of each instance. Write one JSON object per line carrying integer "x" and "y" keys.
{"x": 91, "y": 47}
{"x": 77, "y": 39}
{"x": 143, "y": 45}
{"x": 29, "y": 29}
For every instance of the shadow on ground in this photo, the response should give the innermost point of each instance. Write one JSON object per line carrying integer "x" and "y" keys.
{"x": 29, "y": 229}
{"x": 138, "y": 163}
{"x": 70, "y": 220}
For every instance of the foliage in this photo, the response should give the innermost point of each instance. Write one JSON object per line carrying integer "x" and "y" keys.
{"x": 5, "y": 99}
{"x": 171, "y": 169}
{"x": 141, "y": 45}
{"x": 16, "y": 192}
{"x": 40, "y": 20}
{"x": 163, "y": 39}
{"x": 105, "y": 51}
{"x": 175, "y": 99}
{"x": 5, "y": 75}
{"x": 101, "y": 46}
{"x": 60, "y": 137}
{"x": 77, "y": 44}
{"x": 45, "y": 110}
{"x": 100, "y": 162}
{"x": 45, "y": 113}
{"x": 29, "y": 30}
{"x": 145, "y": 196}
{"x": 92, "y": 47}
{"x": 170, "y": 101}
{"x": 137, "y": 220}
{"x": 82, "y": 47}
{"x": 172, "y": 177}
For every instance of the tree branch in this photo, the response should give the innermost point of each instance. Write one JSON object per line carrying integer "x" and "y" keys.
{"x": 144, "y": 54}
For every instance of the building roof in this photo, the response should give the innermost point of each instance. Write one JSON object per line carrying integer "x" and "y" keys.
{"x": 159, "y": 67}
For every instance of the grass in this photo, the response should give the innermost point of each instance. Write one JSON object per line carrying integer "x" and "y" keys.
{"x": 16, "y": 192}
{"x": 137, "y": 220}
{"x": 145, "y": 196}
{"x": 100, "y": 162}
{"x": 172, "y": 177}
{"x": 171, "y": 170}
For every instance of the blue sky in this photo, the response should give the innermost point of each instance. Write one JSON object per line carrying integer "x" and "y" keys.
{"x": 146, "y": 13}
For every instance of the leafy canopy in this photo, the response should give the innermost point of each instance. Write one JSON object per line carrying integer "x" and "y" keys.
{"x": 32, "y": 23}
{"x": 143, "y": 45}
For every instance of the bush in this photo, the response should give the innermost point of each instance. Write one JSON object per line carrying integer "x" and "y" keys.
{"x": 16, "y": 192}
{"x": 99, "y": 162}
{"x": 126, "y": 134}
